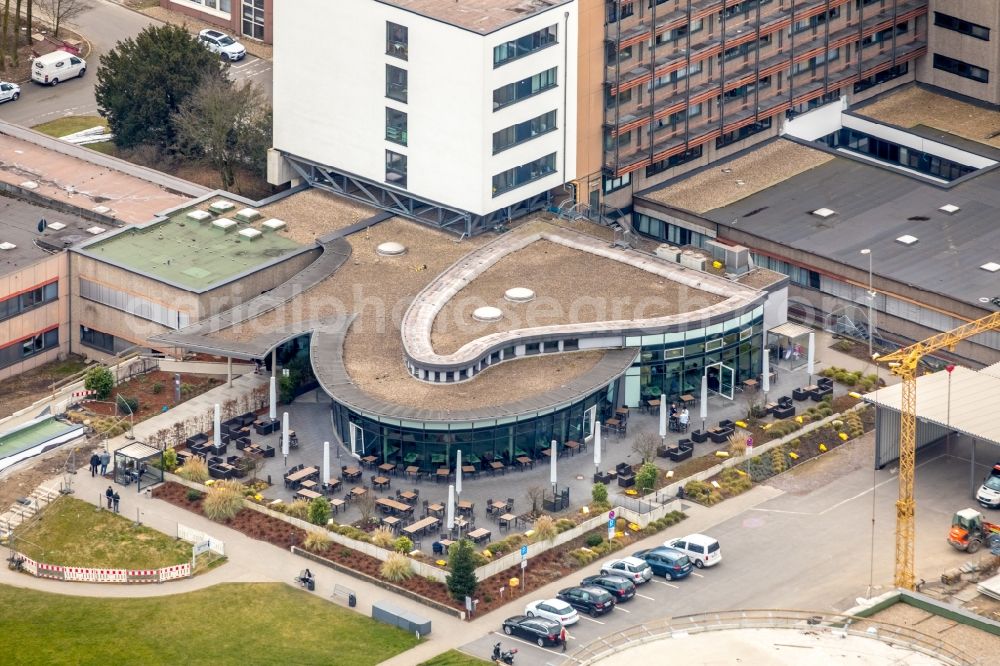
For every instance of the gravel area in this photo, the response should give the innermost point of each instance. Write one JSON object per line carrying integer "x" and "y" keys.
{"x": 827, "y": 468}
{"x": 760, "y": 278}
{"x": 913, "y": 106}
{"x": 978, "y": 646}
{"x": 314, "y": 212}
{"x": 380, "y": 289}
{"x": 570, "y": 287}
{"x": 728, "y": 182}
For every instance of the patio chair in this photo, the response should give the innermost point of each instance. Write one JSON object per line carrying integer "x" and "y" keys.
{"x": 783, "y": 411}
{"x": 799, "y": 395}
{"x": 489, "y": 506}
{"x": 510, "y": 505}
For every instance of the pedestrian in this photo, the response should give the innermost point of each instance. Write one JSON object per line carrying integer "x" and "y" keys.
{"x": 105, "y": 459}
{"x": 563, "y": 637}
{"x": 685, "y": 418}
{"x": 95, "y": 460}
{"x": 116, "y": 498}
{"x": 110, "y": 494}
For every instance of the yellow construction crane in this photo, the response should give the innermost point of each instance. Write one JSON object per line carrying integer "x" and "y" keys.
{"x": 903, "y": 363}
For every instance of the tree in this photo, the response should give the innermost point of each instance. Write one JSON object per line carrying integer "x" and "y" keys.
{"x": 647, "y": 476}
{"x": 58, "y": 12}
{"x": 535, "y": 494}
{"x": 3, "y": 36}
{"x": 250, "y": 464}
{"x": 366, "y": 506}
{"x": 228, "y": 125}
{"x": 462, "y": 579}
{"x": 599, "y": 495}
{"x": 101, "y": 380}
{"x": 645, "y": 445}
{"x": 319, "y": 511}
{"x": 142, "y": 81}
{"x": 17, "y": 29}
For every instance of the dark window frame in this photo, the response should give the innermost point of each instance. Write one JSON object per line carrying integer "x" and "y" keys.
{"x": 525, "y": 131}
{"x": 524, "y": 174}
{"x": 393, "y": 131}
{"x": 397, "y": 40}
{"x": 961, "y": 26}
{"x": 394, "y": 86}
{"x": 548, "y": 77}
{"x": 392, "y": 161}
{"x": 960, "y": 68}
{"x": 30, "y": 299}
{"x": 525, "y": 45}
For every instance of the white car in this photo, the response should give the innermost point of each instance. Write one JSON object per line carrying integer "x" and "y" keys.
{"x": 703, "y": 550}
{"x": 633, "y": 568}
{"x": 989, "y": 493}
{"x": 553, "y": 609}
{"x": 9, "y": 92}
{"x": 221, "y": 43}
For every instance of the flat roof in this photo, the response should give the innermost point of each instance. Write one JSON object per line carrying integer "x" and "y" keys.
{"x": 480, "y": 16}
{"x": 19, "y": 226}
{"x": 189, "y": 253}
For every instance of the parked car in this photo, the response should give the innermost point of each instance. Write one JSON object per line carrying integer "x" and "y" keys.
{"x": 989, "y": 493}
{"x": 51, "y": 68}
{"x": 591, "y": 600}
{"x": 670, "y": 563}
{"x": 538, "y": 629}
{"x": 222, "y": 44}
{"x": 9, "y": 92}
{"x": 633, "y": 568}
{"x": 552, "y": 609}
{"x": 620, "y": 587}
{"x": 703, "y": 551}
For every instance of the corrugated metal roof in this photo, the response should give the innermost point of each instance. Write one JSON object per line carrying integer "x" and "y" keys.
{"x": 966, "y": 403}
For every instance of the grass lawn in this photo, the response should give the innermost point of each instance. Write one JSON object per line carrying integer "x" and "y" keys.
{"x": 70, "y": 124}
{"x": 72, "y": 532}
{"x": 257, "y": 623}
{"x": 454, "y": 658}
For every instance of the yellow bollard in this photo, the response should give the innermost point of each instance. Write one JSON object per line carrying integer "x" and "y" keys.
{"x": 843, "y": 436}
{"x": 793, "y": 455}
{"x": 822, "y": 447}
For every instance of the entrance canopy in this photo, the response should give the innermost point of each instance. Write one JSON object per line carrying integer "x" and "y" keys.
{"x": 788, "y": 343}
{"x": 139, "y": 463}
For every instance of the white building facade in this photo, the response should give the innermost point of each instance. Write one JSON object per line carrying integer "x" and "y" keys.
{"x": 432, "y": 114}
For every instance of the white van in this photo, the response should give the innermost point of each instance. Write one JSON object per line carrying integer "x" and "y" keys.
{"x": 51, "y": 68}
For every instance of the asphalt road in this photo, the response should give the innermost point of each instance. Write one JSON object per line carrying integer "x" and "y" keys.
{"x": 103, "y": 26}
{"x": 806, "y": 549}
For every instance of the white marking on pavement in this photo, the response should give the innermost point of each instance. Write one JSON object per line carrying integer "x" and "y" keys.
{"x": 663, "y": 582}
{"x": 584, "y": 617}
{"x": 644, "y": 596}
{"x": 523, "y": 642}
{"x": 695, "y": 573}
{"x": 623, "y": 610}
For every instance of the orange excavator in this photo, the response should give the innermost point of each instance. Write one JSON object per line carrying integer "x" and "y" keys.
{"x": 969, "y": 532}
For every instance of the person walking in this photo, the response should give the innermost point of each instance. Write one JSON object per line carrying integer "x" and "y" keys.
{"x": 95, "y": 460}
{"x": 563, "y": 637}
{"x": 105, "y": 459}
{"x": 116, "y": 498}
{"x": 110, "y": 494}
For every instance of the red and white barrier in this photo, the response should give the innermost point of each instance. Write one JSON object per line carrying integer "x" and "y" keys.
{"x": 95, "y": 575}
{"x": 179, "y": 571}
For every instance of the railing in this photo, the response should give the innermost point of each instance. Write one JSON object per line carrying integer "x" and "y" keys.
{"x": 834, "y": 624}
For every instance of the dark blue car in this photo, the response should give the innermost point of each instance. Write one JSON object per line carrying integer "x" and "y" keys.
{"x": 670, "y": 563}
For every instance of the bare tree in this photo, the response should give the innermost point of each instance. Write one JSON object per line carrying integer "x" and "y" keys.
{"x": 17, "y": 29}
{"x": 645, "y": 445}
{"x": 58, "y": 12}
{"x": 3, "y": 37}
{"x": 535, "y": 494}
{"x": 250, "y": 464}
{"x": 366, "y": 505}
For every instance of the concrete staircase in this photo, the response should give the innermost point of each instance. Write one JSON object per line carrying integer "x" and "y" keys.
{"x": 22, "y": 511}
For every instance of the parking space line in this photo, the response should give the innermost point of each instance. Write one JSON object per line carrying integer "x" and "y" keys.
{"x": 584, "y": 617}
{"x": 523, "y": 642}
{"x": 624, "y": 610}
{"x": 663, "y": 582}
{"x": 695, "y": 573}
{"x": 644, "y": 596}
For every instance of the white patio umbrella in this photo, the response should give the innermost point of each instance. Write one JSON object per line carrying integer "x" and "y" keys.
{"x": 284, "y": 434}
{"x": 326, "y": 462}
{"x": 217, "y": 430}
{"x": 703, "y": 407}
{"x": 458, "y": 471}
{"x": 663, "y": 417}
{"x": 451, "y": 508}
{"x": 811, "y": 357}
{"x": 552, "y": 465}
{"x": 597, "y": 448}
{"x": 765, "y": 378}
{"x": 273, "y": 397}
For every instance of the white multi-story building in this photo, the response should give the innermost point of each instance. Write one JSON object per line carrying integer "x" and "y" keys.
{"x": 461, "y": 113}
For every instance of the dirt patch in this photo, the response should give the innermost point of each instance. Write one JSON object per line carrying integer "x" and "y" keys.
{"x": 154, "y": 391}
{"x": 24, "y": 389}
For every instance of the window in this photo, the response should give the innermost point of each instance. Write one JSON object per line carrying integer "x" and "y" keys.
{"x": 220, "y": 5}
{"x": 395, "y": 83}
{"x": 395, "y": 168}
{"x": 811, "y": 64}
{"x": 253, "y": 17}
{"x": 623, "y": 97}
{"x": 104, "y": 342}
{"x": 397, "y": 40}
{"x": 959, "y": 68}
{"x": 395, "y": 126}
{"x": 885, "y": 35}
{"x": 677, "y": 75}
{"x": 518, "y": 176}
{"x": 15, "y": 305}
{"x": 613, "y": 55}
{"x": 671, "y": 36}
{"x": 673, "y": 160}
{"x": 859, "y": 142}
{"x": 133, "y": 304}
{"x": 962, "y": 26}
{"x": 747, "y": 48}
{"x": 881, "y": 77}
{"x": 816, "y": 21}
{"x": 524, "y": 131}
{"x": 743, "y": 7}
{"x": 745, "y": 90}
{"x": 743, "y": 132}
{"x": 518, "y": 48}
{"x": 612, "y": 183}
{"x": 619, "y": 9}
{"x": 29, "y": 346}
{"x": 525, "y": 88}
{"x": 612, "y": 142}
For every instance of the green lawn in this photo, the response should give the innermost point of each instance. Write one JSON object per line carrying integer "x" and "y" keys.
{"x": 72, "y": 532}
{"x": 454, "y": 658}
{"x": 258, "y": 623}
{"x": 69, "y": 125}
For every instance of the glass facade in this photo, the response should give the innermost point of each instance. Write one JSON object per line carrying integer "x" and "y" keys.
{"x": 429, "y": 444}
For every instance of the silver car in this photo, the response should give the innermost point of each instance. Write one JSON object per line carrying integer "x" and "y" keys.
{"x": 221, "y": 43}
{"x": 9, "y": 92}
{"x": 636, "y": 570}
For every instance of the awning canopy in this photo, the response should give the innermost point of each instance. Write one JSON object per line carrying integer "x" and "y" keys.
{"x": 790, "y": 330}
{"x": 967, "y": 404}
{"x": 138, "y": 451}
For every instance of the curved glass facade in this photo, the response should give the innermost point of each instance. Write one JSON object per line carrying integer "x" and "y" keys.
{"x": 430, "y": 445}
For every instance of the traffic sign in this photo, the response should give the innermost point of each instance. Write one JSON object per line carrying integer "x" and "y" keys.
{"x": 749, "y": 442}
{"x": 611, "y": 514}
{"x": 611, "y": 524}
{"x": 524, "y": 552}
{"x": 524, "y": 564}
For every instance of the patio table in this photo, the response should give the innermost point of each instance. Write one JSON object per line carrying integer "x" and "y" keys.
{"x": 436, "y": 509}
{"x": 479, "y": 535}
{"x": 506, "y": 519}
{"x": 497, "y": 467}
{"x": 413, "y": 471}
{"x": 380, "y": 482}
{"x": 358, "y": 491}
{"x": 525, "y": 461}
{"x": 302, "y": 474}
{"x": 307, "y": 494}
{"x": 388, "y": 468}
{"x": 407, "y": 496}
{"x": 421, "y": 525}
{"x": 332, "y": 485}
{"x": 393, "y": 505}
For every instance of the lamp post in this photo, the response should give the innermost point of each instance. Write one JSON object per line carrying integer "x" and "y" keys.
{"x": 871, "y": 300}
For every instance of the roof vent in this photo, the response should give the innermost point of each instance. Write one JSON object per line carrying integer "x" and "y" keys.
{"x": 390, "y": 249}
{"x": 951, "y": 209}
{"x": 992, "y": 267}
{"x": 199, "y": 215}
{"x": 102, "y": 210}
{"x": 56, "y": 226}
{"x": 224, "y": 223}
{"x": 222, "y": 206}
{"x": 487, "y": 313}
{"x": 824, "y": 212}
{"x": 250, "y": 234}
{"x": 7, "y": 246}
{"x": 274, "y": 224}
{"x": 247, "y": 215}
{"x": 519, "y": 295}
{"x": 95, "y": 231}
{"x": 907, "y": 239}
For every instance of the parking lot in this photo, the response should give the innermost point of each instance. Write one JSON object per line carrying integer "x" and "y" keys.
{"x": 803, "y": 542}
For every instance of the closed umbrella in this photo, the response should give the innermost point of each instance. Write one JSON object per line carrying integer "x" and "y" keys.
{"x": 326, "y": 462}
{"x": 765, "y": 378}
{"x": 284, "y": 434}
{"x": 273, "y": 409}
{"x": 703, "y": 407}
{"x": 217, "y": 431}
{"x": 597, "y": 448}
{"x": 458, "y": 471}
{"x": 663, "y": 417}
{"x": 451, "y": 508}
{"x": 552, "y": 464}
{"x": 811, "y": 357}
